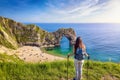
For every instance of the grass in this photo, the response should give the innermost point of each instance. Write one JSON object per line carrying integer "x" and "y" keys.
{"x": 4, "y": 58}
{"x": 6, "y": 38}
{"x": 56, "y": 70}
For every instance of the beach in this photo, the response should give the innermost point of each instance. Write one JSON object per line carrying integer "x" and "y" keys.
{"x": 31, "y": 54}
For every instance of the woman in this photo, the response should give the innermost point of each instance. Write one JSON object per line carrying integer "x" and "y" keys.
{"x": 79, "y": 54}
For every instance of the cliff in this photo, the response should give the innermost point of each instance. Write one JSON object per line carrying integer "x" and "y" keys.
{"x": 14, "y": 34}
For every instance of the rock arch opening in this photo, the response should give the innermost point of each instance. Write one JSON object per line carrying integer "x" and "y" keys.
{"x": 64, "y": 44}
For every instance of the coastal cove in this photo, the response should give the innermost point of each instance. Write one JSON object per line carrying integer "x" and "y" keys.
{"x": 22, "y": 55}
{"x": 102, "y": 40}
{"x": 44, "y": 39}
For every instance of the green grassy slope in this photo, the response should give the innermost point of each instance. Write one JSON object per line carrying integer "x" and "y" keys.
{"x": 4, "y": 58}
{"x": 57, "y": 70}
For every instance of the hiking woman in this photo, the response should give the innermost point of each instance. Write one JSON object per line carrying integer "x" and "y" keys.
{"x": 79, "y": 54}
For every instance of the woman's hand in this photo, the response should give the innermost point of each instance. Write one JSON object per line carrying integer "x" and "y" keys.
{"x": 68, "y": 55}
{"x": 88, "y": 56}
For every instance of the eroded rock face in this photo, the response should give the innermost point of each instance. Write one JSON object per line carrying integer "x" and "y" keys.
{"x": 14, "y": 34}
{"x": 68, "y": 33}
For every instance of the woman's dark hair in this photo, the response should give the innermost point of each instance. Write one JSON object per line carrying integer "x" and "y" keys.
{"x": 78, "y": 44}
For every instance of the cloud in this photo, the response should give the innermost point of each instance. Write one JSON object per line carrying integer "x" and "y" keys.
{"x": 70, "y": 7}
{"x": 81, "y": 11}
{"x": 75, "y": 9}
{"x": 87, "y": 11}
{"x": 110, "y": 15}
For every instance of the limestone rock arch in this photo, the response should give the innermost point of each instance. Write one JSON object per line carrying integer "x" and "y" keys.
{"x": 69, "y": 33}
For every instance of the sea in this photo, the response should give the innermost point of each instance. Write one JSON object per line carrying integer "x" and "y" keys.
{"x": 102, "y": 40}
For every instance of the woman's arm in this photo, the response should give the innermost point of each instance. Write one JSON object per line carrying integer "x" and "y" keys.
{"x": 84, "y": 50}
{"x": 85, "y": 53}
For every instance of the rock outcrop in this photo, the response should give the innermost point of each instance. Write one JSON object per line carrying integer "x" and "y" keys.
{"x": 68, "y": 33}
{"x": 14, "y": 34}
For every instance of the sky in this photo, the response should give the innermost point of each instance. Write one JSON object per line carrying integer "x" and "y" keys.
{"x": 61, "y": 11}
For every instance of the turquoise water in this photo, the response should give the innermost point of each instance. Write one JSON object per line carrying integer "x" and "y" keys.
{"x": 102, "y": 40}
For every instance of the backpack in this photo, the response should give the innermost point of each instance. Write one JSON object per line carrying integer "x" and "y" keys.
{"x": 79, "y": 54}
